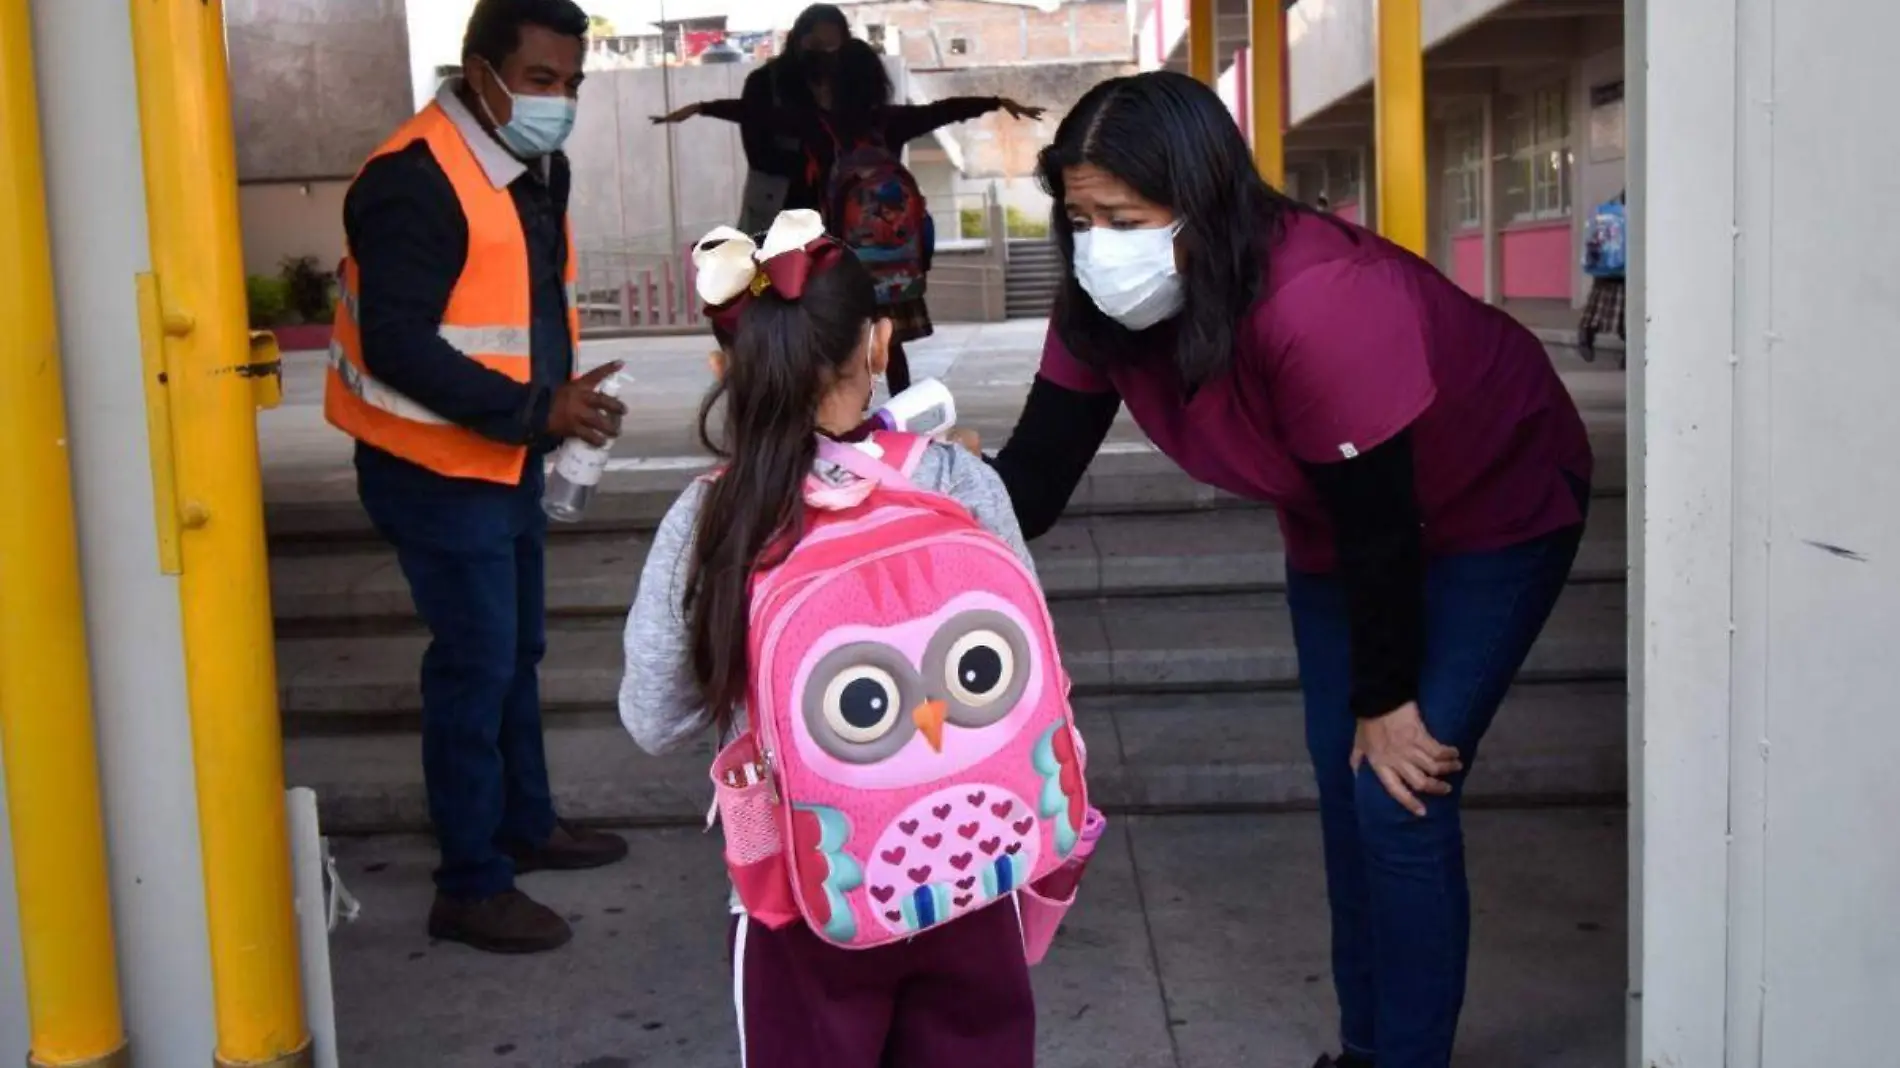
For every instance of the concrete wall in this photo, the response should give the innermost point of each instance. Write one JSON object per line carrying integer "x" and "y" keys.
{"x": 633, "y": 180}
{"x": 996, "y": 145}
{"x": 283, "y": 220}
{"x": 1329, "y": 45}
{"x": 1772, "y": 535}
{"x": 921, "y": 31}
{"x": 315, "y": 84}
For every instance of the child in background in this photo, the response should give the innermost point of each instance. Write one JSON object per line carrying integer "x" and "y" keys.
{"x": 853, "y": 149}
{"x": 949, "y": 984}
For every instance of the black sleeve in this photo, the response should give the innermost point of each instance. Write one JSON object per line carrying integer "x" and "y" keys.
{"x": 1381, "y": 546}
{"x": 735, "y": 109}
{"x": 1055, "y": 439}
{"x": 762, "y": 151}
{"x": 904, "y": 123}
{"x": 409, "y": 239}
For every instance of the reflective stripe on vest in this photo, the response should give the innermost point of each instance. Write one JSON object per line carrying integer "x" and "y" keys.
{"x": 469, "y": 340}
{"x": 375, "y": 394}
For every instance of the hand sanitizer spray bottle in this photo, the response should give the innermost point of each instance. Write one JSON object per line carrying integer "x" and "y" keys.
{"x": 577, "y": 469}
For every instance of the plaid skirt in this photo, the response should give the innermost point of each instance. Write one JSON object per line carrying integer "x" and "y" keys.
{"x": 910, "y": 320}
{"x": 1605, "y": 310}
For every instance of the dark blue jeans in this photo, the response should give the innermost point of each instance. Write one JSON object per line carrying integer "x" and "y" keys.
{"x": 1400, "y": 907}
{"x": 472, "y": 552}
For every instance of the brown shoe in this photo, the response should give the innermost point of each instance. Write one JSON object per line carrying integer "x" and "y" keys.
{"x": 510, "y": 922}
{"x": 571, "y": 848}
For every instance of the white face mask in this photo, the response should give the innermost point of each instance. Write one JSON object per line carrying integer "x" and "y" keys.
{"x": 1130, "y": 274}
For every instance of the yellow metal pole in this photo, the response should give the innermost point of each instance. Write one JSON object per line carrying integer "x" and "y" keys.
{"x": 209, "y": 388}
{"x": 1203, "y": 30}
{"x": 1399, "y": 115}
{"x": 46, "y": 736}
{"x": 1266, "y": 37}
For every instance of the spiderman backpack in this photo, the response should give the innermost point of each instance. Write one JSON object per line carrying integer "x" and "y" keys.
{"x": 911, "y": 756}
{"x": 874, "y": 206}
{"x": 1606, "y": 240}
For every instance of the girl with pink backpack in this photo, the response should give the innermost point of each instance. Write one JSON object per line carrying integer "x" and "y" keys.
{"x": 856, "y": 615}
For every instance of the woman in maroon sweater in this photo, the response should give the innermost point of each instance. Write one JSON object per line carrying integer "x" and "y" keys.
{"x": 860, "y": 112}
{"x": 1429, "y": 470}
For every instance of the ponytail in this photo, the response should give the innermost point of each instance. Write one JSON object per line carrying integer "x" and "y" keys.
{"x": 783, "y": 359}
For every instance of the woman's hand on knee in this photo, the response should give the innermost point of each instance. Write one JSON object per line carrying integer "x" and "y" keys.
{"x": 1406, "y": 758}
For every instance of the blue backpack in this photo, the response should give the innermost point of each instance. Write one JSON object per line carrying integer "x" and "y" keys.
{"x": 1606, "y": 241}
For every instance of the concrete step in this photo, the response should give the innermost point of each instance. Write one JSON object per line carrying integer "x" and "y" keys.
{"x": 1551, "y": 743}
{"x": 1175, "y": 644}
{"x": 1027, "y": 283}
{"x": 1129, "y": 477}
{"x": 1222, "y": 551}
{"x": 1030, "y": 291}
{"x": 1034, "y": 294}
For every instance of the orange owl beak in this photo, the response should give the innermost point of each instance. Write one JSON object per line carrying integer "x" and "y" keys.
{"x": 929, "y": 717}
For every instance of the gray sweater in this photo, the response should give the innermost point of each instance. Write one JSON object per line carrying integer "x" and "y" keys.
{"x": 660, "y": 703}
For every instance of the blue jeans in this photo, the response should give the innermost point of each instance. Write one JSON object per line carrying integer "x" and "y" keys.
{"x": 472, "y": 553}
{"x": 1401, "y": 909}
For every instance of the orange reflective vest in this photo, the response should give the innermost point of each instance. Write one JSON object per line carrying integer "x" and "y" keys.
{"x": 489, "y": 318}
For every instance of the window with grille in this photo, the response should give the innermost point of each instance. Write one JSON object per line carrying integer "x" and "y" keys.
{"x": 1464, "y": 170}
{"x": 1534, "y": 172}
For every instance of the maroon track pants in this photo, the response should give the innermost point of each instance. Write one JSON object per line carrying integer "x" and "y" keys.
{"x": 954, "y": 997}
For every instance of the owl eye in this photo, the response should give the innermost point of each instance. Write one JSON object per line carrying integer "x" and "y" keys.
{"x": 979, "y": 663}
{"x": 862, "y": 704}
{"x": 979, "y": 668}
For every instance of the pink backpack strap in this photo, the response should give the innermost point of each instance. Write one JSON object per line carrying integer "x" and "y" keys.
{"x": 902, "y": 451}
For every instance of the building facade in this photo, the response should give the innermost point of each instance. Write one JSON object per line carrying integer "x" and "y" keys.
{"x": 1526, "y": 128}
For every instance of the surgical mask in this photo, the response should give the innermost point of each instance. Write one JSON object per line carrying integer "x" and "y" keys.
{"x": 1130, "y": 274}
{"x": 539, "y": 125}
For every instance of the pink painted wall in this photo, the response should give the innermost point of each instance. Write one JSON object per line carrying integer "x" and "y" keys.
{"x": 1538, "y": 261}
{"x": 1467, "y": 261}
{"x": 1347, "y": 210}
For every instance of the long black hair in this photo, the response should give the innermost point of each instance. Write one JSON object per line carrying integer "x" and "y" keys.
{"x": 791, "y": 71}
{"x": 862, "y": 85}
{"x": 1173, "y": 141}
{"x": 780, "y": 365}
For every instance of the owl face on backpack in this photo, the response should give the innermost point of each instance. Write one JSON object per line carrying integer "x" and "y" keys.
{"x": 911, "y": 693}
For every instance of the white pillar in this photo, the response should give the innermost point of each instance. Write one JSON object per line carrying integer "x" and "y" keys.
{"x": 1689, "y": 266}
{"x": 96, "y": 208}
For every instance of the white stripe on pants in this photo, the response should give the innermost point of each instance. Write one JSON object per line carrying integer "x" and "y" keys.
{"x": 738, "y": 981}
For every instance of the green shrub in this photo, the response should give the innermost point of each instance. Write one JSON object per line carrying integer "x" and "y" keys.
{"x": 1023, "y": 224}
{"x": 307, "y": 289}
{"x": 268, "y": 299}
{"x": 973, "y": 222}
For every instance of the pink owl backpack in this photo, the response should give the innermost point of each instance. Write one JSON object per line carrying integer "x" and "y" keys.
{"x": 912, "y": 756}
